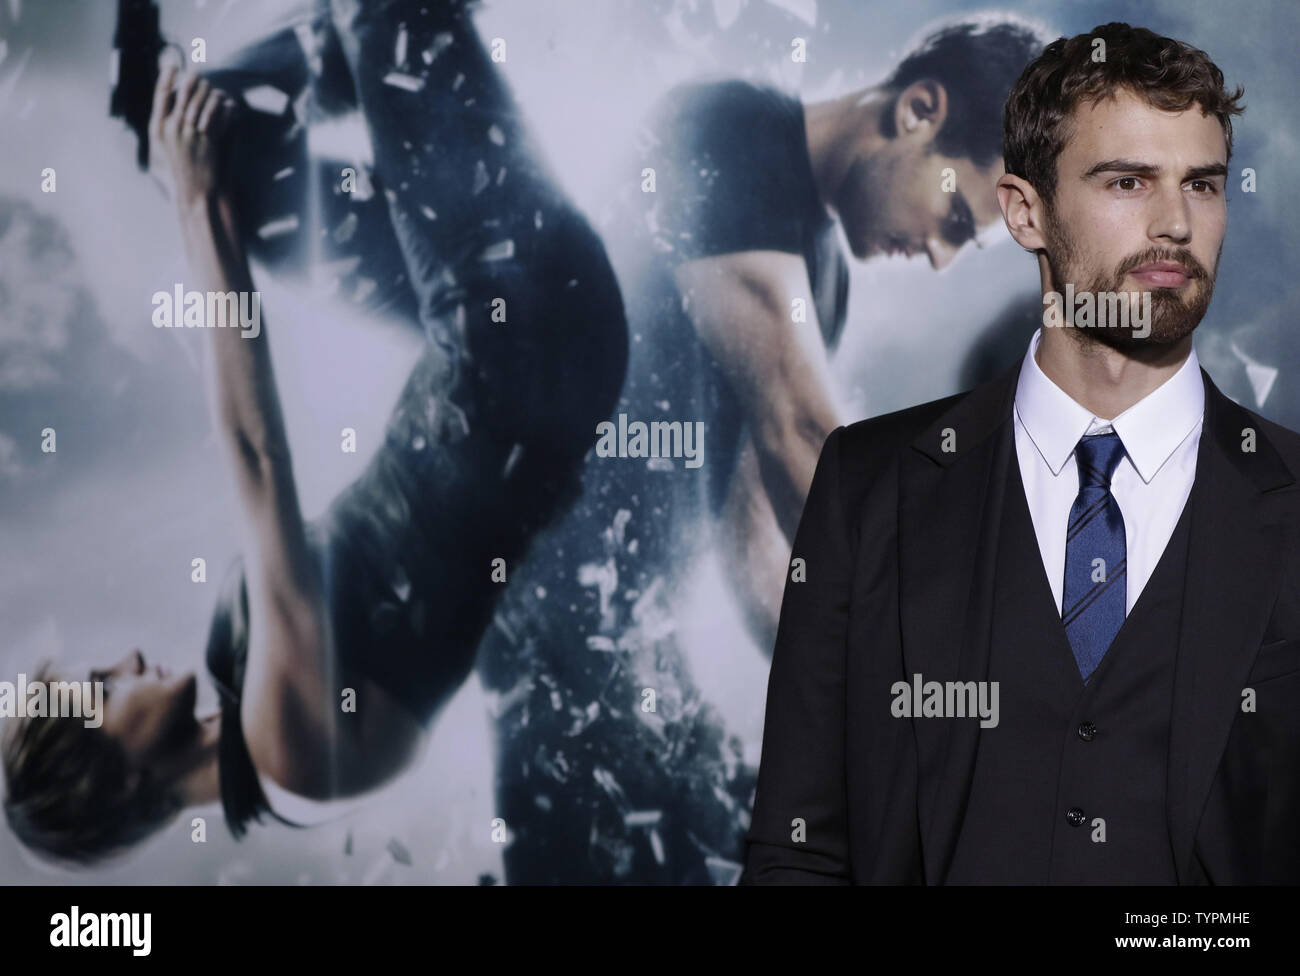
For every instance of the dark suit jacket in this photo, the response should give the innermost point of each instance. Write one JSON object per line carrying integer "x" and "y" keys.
{"x": 898, "y": 538}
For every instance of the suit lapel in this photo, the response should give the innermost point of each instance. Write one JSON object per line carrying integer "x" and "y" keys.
{"x": 950, "y": 508}
{"x": 1233, "y": 574}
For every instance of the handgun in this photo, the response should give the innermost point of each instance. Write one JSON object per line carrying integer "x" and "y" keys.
{"x": 137, "y": 44}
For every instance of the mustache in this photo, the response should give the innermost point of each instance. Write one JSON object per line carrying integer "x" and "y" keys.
{"x": 1194, "y": 267}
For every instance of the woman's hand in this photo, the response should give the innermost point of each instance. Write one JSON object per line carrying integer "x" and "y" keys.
{"x": 187, "y": 129}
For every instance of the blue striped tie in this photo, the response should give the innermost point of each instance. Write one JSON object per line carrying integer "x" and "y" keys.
{"x": 1094, "y": 601}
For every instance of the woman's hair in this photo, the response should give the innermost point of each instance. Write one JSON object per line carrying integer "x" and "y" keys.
{"x": 1115, "y": 57}
{"x": 70, "y": 796}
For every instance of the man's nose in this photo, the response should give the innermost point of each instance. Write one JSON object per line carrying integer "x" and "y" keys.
{"x": 1171, "y": 219}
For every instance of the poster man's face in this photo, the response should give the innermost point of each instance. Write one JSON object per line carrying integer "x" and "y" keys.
{"x": 930, "y": 204}
{"x": 906, "y": 197}
{"x": 1140, "y": 207}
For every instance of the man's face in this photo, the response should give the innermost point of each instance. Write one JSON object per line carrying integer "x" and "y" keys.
{"x": 1140, "y": 207}
{"x": 900, "y": 200}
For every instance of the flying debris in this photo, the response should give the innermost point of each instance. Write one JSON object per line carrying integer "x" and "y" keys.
{"x": 404, "y": 81}
{"x": 278, "y": 227}
{"x": 441, "y": 42}
{"x": 399, "y": 54}
{"x": 657, "y": 846}
{"x": 723, "y": 872}
{"x": 344, "y": 231}
{"x": 264, "y": 98}
{"x": 605, "y": 779}
{"x": 603, "y": 576}
{"x": 400, "y": 854}
{"x": 500, "y": 251}
{"x": 401, "y": 583}
{"x": 516, "y": 451}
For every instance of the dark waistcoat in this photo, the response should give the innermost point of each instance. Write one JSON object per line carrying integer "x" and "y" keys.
{"x": 1070, "y": 785}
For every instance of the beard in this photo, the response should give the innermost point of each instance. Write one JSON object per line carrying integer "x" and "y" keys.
{"x": 1175, "y": 312}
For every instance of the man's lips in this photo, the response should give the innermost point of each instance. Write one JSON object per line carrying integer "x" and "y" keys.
{"x": 1163, "y": 274}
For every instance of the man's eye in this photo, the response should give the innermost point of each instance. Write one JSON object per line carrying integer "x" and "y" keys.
{"x": 1206, "y": 187}
{"x": 1126, "y": 179}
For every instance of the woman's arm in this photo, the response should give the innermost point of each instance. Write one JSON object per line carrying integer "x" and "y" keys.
{"x": 296, "y": 731}
{"x": 246, "y": 407}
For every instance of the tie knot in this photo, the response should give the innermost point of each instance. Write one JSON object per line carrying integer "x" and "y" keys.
{"x": 1098, "y": 456}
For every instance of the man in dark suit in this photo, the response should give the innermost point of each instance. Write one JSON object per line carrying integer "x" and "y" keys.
{"x": 1049, "y": 630}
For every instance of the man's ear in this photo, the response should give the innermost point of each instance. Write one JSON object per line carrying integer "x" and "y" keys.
{"x": 920, "y": 109}
{"x": 1023, "y": 212}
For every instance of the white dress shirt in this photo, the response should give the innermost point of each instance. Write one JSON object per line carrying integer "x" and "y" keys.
{"x": 1160, "y": 434}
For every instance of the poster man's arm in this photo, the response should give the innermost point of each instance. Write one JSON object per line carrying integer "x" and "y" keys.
{"x": 742, "y": 306}
{"x": 755, "y": 549}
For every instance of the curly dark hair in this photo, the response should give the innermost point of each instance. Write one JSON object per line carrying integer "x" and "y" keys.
{"x": 976, "y": 59}
{"x": 1169, "y": 74}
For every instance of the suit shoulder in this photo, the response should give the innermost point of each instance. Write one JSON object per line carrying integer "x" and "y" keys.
{"x": 1284, "y": 440}
{"x": 888, "y": 432}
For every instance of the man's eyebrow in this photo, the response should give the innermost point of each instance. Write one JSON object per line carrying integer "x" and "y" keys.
{"x": 1209, "y": 169}
{"x": 1150, "y": 169}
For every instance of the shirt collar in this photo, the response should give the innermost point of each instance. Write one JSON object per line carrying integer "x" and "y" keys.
{"x": 1150, "y": 429}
